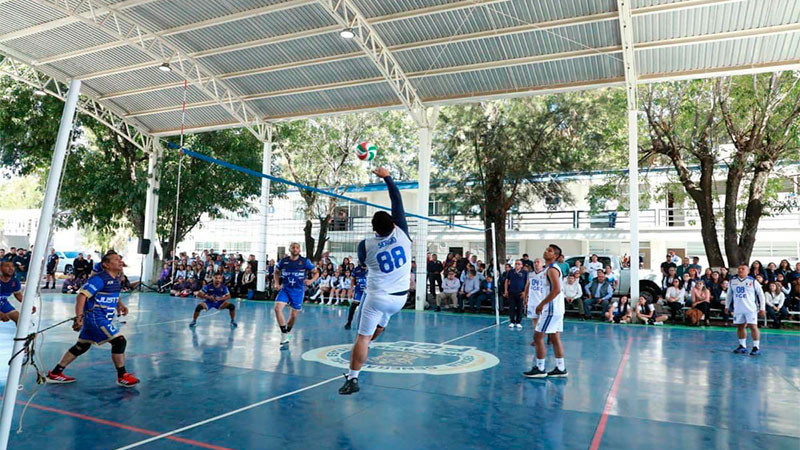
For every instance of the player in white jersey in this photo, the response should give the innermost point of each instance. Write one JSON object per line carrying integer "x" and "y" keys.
{"x": 551, "y": 319}
{"x": 535, "y": 289}
{"x": 387, "y": 256}
{"x": 747, "y": 299}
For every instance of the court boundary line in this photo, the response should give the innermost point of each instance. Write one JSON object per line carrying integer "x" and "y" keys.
{"x": 120, "y": 425}
{"x": 169, "y": 434}
{"x": 611, "y": 398}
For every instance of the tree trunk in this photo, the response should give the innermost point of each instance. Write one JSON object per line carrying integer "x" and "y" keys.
{"x": 309, "y": 239}
{"x": 755, "y": 208}
{"x": 322, "y": 238}
{"x": 732, "y": 184}
{"x": 496, "y": 215}
{"x": 704, "y": 200}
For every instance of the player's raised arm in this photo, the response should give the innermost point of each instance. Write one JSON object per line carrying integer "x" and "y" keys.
{"x": 398, "y": 212}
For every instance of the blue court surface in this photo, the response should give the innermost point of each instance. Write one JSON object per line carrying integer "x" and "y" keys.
{"x": 213, "y": 387}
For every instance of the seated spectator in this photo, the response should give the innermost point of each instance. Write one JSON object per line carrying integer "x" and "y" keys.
{"x": 470, "y": 288}
{"x": 619, "y": 312}
{"x": 775, "y": 299}
{"x": 675, "y": 299}
{"x": 450, "y": 287}
{"x": 719, "y": 297}
{"x": 165, "y": 277}
{"x": 573, "y": 293}
{"x": 701, "y": 299}
{"x": 181, "y": 272}
{"x": 487, "y": 292}
{"x": 794, "y": 295}
{"x": 784, "y": 268}
{"x": 646, "y": 312}
{"x": 757, "y": 269}
{"x": 611, "y": 277}
{"x": 598, "y": 293}
{"x": 177, "y": 287}
{"x": 771, "y": 272}
{"x": 666, "y": 281}
{"x": 687, "y": 284}
{"x": 70, "y": 285}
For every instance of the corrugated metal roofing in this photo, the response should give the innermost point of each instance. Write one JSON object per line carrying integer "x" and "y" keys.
{"x": 285, "y": 58}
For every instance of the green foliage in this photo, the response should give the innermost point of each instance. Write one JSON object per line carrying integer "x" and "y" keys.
{"x": 21, "y": 192}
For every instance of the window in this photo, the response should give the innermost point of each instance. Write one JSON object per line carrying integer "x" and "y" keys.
{"x": 343, "y": 247}
{"x": 439, "y": 205}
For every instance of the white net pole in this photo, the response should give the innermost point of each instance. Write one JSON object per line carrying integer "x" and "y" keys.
{"x": 496, "y": 269}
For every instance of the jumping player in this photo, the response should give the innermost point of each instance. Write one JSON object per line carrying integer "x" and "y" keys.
{"x": 97, "y": 303}
{"x": 9, "y": 286}
{"x": 291, "y": 282}
{"x": 551, "y": 319}
{"x": 748, "y": 301}
{"x": 359, "y": 284}
{"x": 216, "y": 295}
{"x": 535, "y": 289}
{"x": 387, "y": 256}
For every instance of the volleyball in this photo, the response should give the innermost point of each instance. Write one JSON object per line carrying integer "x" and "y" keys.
{"x": 366, "y": 151}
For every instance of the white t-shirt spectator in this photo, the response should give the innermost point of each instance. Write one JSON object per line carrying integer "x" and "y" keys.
{"x": 592, "y": 268}
{"x": 775, "y": 300}
{"x": 678, "y": 294}
{"x": 572, "y": 291}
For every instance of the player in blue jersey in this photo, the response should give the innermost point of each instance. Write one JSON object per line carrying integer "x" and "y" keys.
{"x": 9, "y": 286}
{"x": 291, "y": 282}
{"x": 387, "y": 256}
{"x": 95, "y": 307}
{"x": 216, "y": 296}
{"x": 359, "y": 284}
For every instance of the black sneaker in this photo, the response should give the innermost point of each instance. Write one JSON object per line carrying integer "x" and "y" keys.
{"x": 556, "y": 373}
{"x": 350, "y": 386}
{"x": 347, "y": 326}
{"x": 755, "y": 351}
{"x": 534, "y": 373}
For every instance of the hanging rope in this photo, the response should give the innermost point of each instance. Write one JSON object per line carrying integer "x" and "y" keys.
{"x": 178, "y": 188}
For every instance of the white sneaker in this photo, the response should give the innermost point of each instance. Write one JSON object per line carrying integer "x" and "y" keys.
{"x": 511, "y": 325}
{"x": 519, "y": 326}
{"x": 659, "y": 323}
{"x": 284, "y": 338}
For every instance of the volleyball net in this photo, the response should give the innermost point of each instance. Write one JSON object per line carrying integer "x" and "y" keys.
{"x": 334, "y": 223}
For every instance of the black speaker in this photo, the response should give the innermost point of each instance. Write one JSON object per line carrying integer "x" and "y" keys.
{"x": 144, "y": 246}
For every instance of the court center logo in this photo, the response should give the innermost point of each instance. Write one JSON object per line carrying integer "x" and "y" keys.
{"x": 408, "y": 357}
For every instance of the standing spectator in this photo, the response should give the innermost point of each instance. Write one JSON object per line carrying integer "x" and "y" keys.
{"x": 598, "y": 292}
{"x": 612, "y": 278}
{"x": 696, "y": 264}
{"x": 701, "y": 299}
{"x": 665, "y": 266}
{"x": 470, "y": 288}
{"x": 683, "y": 268}
{"x": 450, "y": 288}
{"x": 89, "y": 264}
{"x": 515, "y": 285}
{"x": 674, "y": 258}
{"x": 501, "y": 285}
{"x": 593, "y": 266}
{"x": 573, "y": 293}
{"x": 434, "y": 268}
{"x": 527, "y": 263}
{"x": 776, "y": 310}
{"x": 21, "y": 263}
{"x": 52, "y": 265}
{"x": 248, "y": 279}
{"x": 563, "y": 265}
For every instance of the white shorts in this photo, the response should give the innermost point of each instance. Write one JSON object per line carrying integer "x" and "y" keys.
{"x": 376, "y": 310}
{"x": 550, "y": 323}
{"x": 532, "y": 309}
{"x": 745, "y": 317}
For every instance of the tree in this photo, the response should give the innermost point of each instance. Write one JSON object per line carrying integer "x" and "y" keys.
{"x": 319, "y": 153}
{"x": 501, "y": 153}
{"x": 21, "y": 193}
{"x": 690, "y": 123}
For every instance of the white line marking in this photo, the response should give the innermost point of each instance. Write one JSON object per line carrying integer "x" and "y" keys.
{"x": 264, "y": 402}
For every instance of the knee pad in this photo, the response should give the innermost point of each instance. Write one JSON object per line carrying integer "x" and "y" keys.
{"x": 80, "y": 348}
{"x": 118, "y": 345}
{"x": 198, "y": 308}
{"x": 231, "y": 307}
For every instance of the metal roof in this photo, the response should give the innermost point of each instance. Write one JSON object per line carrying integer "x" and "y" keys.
{"x": 248, "y": 62}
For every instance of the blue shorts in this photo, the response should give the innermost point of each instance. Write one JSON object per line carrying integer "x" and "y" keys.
{"x": 358, "y": 295}
{"x": 293, "y": 297}
{"x": 5, "y": 306}
{"x": 211, "y": 304}
{"x": 98, "y": 332}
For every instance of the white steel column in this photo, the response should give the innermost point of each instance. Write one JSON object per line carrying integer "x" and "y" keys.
{"x": 626, "y": 33}
{"x": 151, "y": 209}
{"x": 37, "y": 259}
{"x": 426, "y": 121}
{"x": 261, "y": 256}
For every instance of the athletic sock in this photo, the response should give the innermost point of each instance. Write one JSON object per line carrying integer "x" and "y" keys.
{"x": 743, "y": 342}
{"x": 58, "y": 369}
{"x": 540, "y": 363}
{"x": 121, "y": 371}
{"x": 283, "y": 329}
{"x": 353, "y": 374}
{"x": 560, "y": 363}
{"x": 755, "y": 343}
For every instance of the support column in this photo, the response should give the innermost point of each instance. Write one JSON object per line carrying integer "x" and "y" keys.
{"x": 633, "y": 170}
{"x": 37, "y": 259}
{"x": 261, "y": 256}
{"x": 151, "y": 209}
{"x": 426, "y": 121}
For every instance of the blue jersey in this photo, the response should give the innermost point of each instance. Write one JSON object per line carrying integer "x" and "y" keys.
{"x": 7, "y": 289}
{"x": 216, "y": 292}
{"x": 360, "y": 274}
{"x": 102, "y": 295}
{"x": 293, "y": 273}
